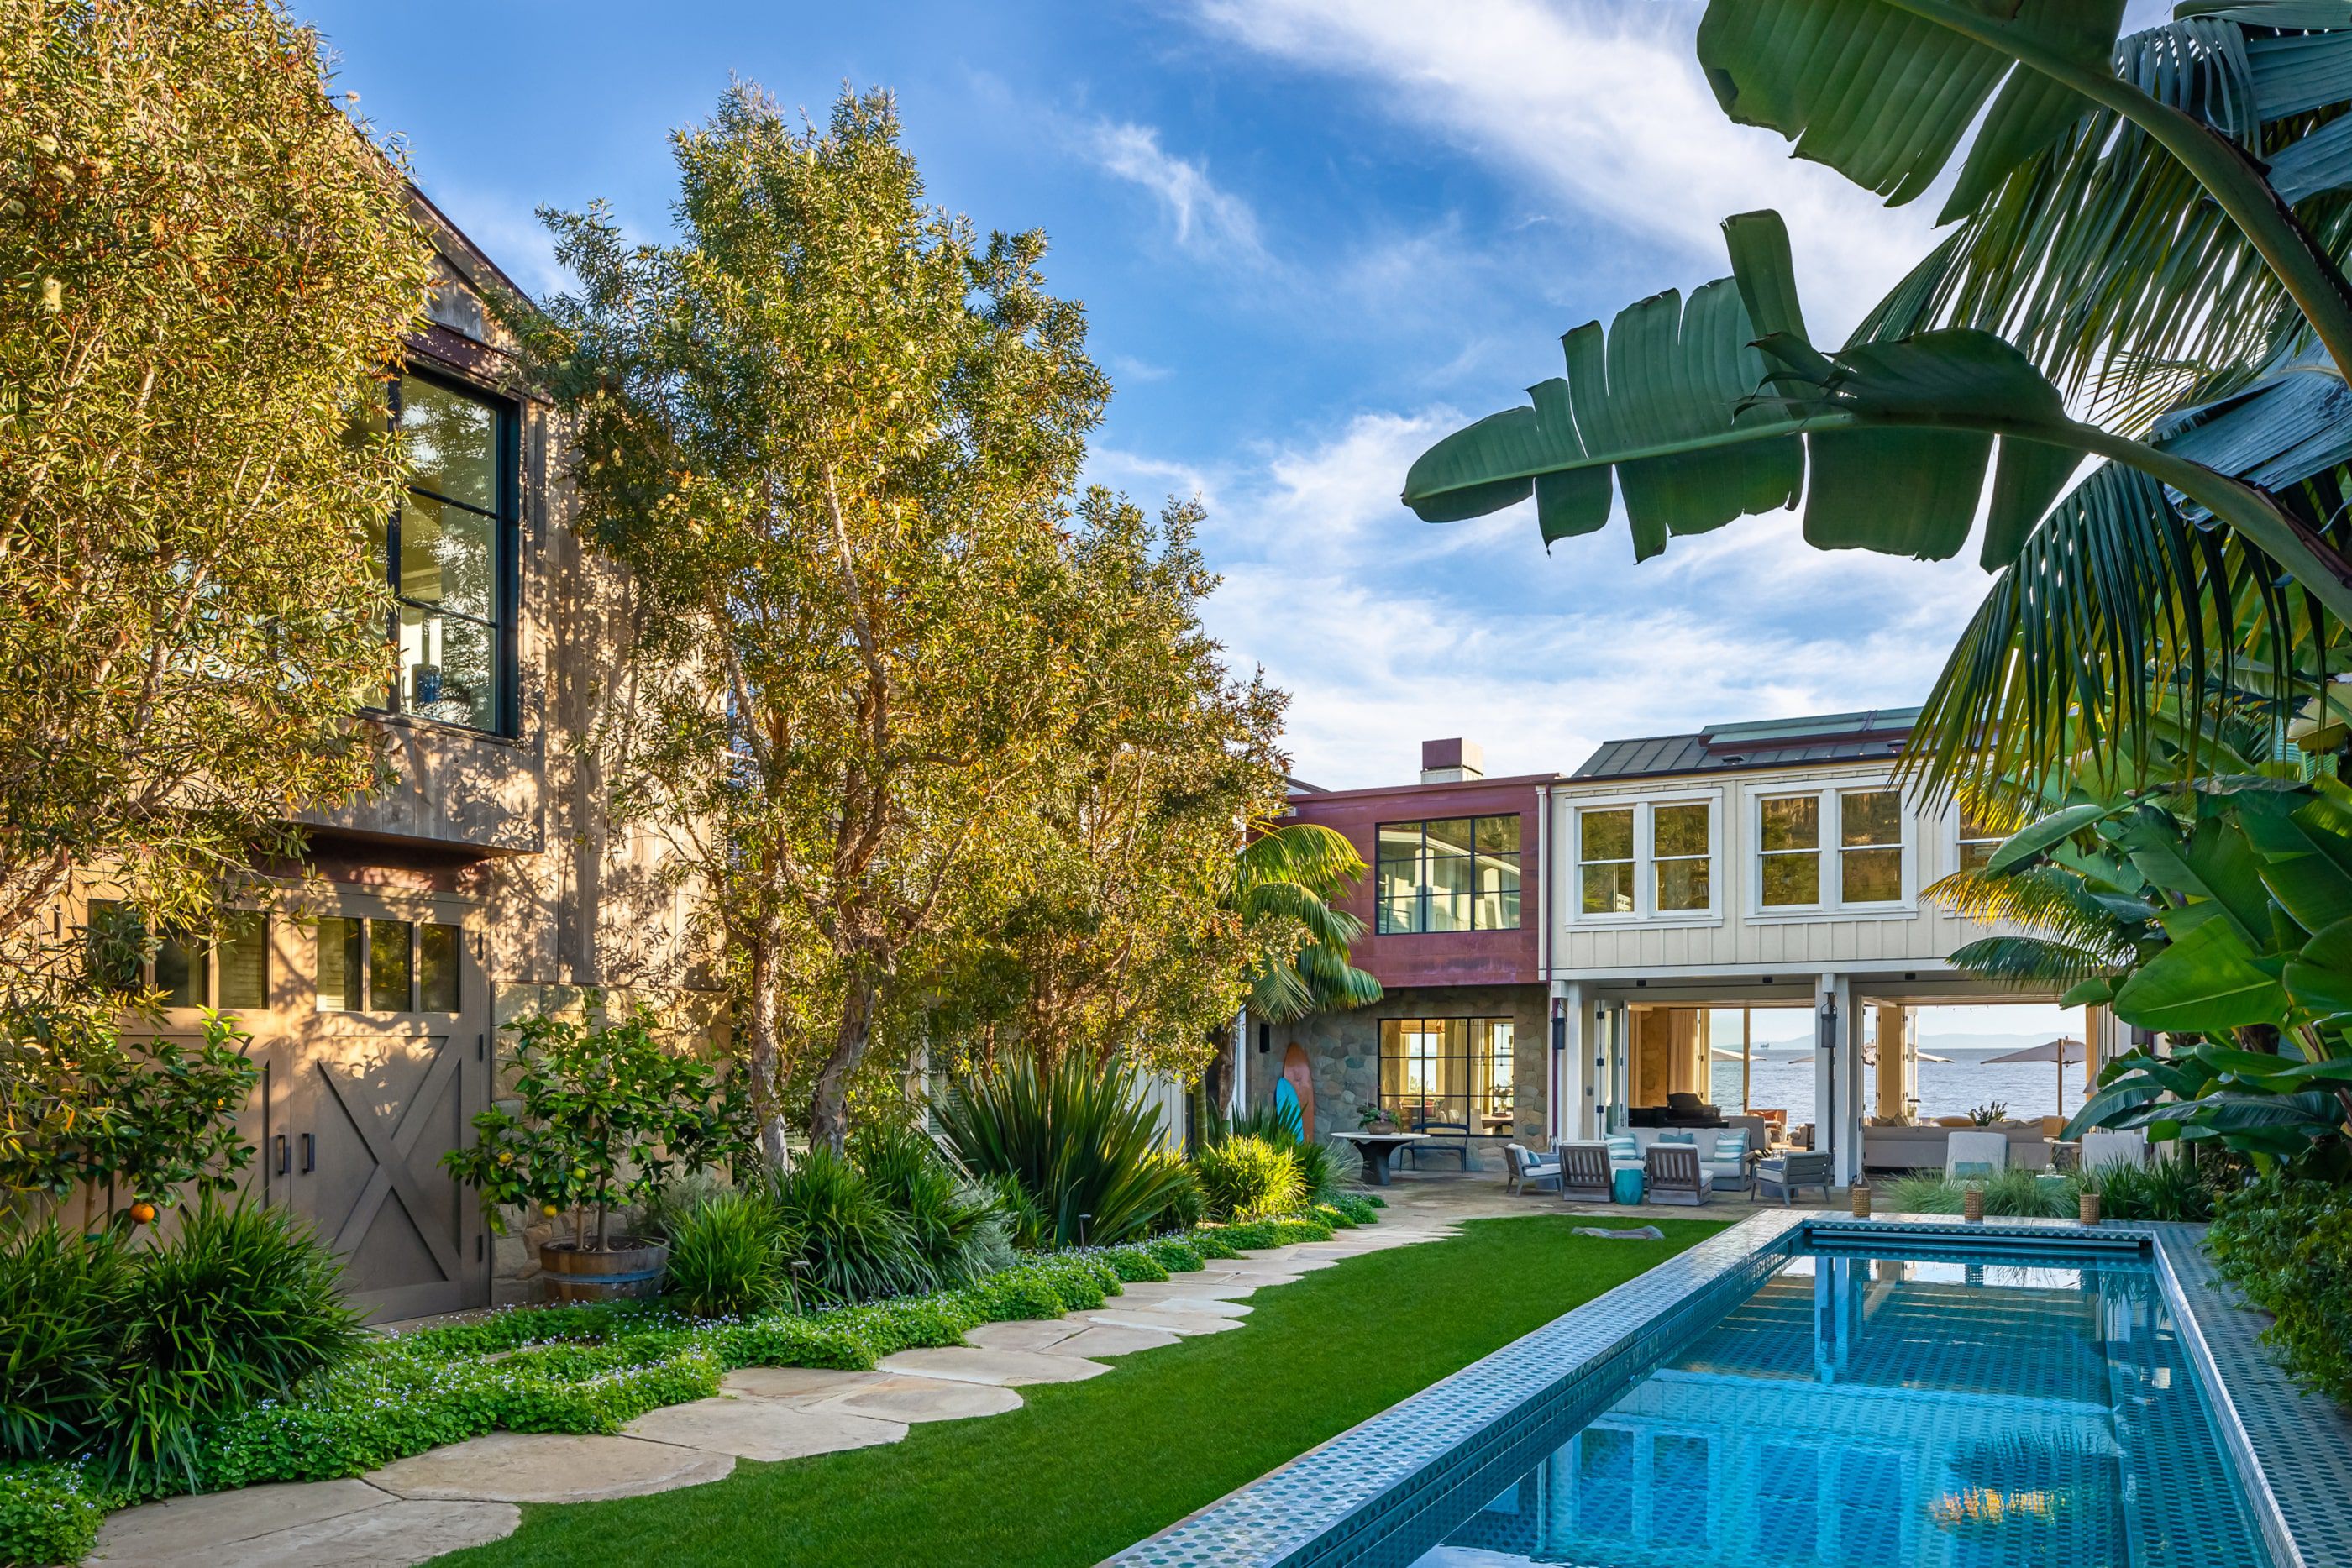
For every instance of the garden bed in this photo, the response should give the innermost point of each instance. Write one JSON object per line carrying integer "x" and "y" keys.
{"x": 589, "y": 1369}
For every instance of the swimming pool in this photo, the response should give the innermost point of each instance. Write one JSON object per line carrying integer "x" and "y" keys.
{"x": 1897, "y": 1408}
{"x": 1904, "y": 1393}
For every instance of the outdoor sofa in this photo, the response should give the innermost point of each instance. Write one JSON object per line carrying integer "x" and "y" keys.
{"x": 1925, "y": 1148}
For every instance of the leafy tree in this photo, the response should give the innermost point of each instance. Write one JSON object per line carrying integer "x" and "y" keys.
{"x": 1283, "y": 883}
{"x": 605, "y": 1113}
{"x": 205, "y": 268}
{"x": 1122, "y": 938}
{"x": 833, "y": 434}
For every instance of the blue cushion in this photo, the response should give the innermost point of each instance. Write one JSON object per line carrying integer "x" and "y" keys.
{"x": 1731, "y": 1145}
{"x": 1965, "y": 1168}
{"x": 1683, "y": 1137}
{"x": 1623, "y": 1147}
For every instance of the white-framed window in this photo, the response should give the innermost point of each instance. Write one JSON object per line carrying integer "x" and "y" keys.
{"x": 1975, "y": 840}
{"x": 1644, "y": 860}
{"x": 1831, "y": 849}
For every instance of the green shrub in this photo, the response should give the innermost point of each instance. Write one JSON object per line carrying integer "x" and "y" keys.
{"x": 728, "y": 1257}
{"x": 1247, "y": 1177}
{"x": 962, "y": 1229}
{"x": 1134, "y": 1264}
{"x": 2167, "y": 1190}
{"x": 62, "y": 1300}
{"x": 1078, "y": 1142}
{"x": 1210, "y": 1242}
{"x": 852, "y": 1245}
{"x": 1319, "y": 1170}
{"x": 1185, "y": 1208}
{"x": 48, "y": 1513}
{"x": 238, "y": 1305}
{"x": 1376, "y": 1200}
{"x": 2008, "y": 1194}
{"x": 1176, "y": 1255}
{"x": 1357, "y": 1208}
{"x": 1298, "y": 1227}
{"x": 2287, "y": 1244}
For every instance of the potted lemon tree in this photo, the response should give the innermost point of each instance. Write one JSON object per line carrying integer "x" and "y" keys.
{"x": 603, "y": 1114}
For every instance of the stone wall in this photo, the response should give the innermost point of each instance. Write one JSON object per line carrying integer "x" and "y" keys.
{"x": 1343, "y": 1051}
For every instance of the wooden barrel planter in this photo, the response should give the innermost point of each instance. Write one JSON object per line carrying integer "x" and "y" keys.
{"x": 630, "y": 1272}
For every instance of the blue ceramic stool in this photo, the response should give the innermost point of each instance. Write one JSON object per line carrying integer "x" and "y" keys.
{"x": 1628, "y": 1186}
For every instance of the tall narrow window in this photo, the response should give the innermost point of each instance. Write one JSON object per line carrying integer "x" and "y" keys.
{"x": 1979, "y": 838}
{"x": 1681, "y": 853}
{"x": 1396, "y": 875}
{"x": 1870, "y": 846}
{"x": 184, "y": 972}
{"x": 1607, "y": 861}
{"x": 388, "y": 965}
{"x": 436, "y": 968}
{"x": 242, "y": 955}
{"x": 1789, "y": 849}
{"x": 342, "y": 965}
{"x": 1447, "y": 874}
{"x": 450, "y": 557}
{"x": 1497, "y": 874}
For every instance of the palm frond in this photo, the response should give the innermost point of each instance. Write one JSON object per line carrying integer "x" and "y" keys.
{"x": 2105, "y": 258}
{"x": 1305, "y": 853}
{"x": 2049, "y": 902}
{"x": 2035, "y": 963}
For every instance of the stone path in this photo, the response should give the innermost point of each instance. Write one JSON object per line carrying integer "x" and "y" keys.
{"x": 467, "y": 1494}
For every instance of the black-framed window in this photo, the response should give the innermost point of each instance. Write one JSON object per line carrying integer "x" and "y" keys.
{"x": 451, "y": 553}
{"x": 1452, "y": 874}
{"x": 371, "y": 965}
{"x": 1450, "y": 1070}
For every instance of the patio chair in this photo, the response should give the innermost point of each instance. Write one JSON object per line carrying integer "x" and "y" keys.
{"x": 2113, "y": 1149}
{"x": 1585, "y": 1172}
{"x": 1726, "y": 1154}
{"x": 1975, "y": 1154}
{"x": 1444, "y": 1138}
{"x": 1673, "y": 1173}
{"x": 1526, "y": 1168}
{"x": 1784, "y": 1176}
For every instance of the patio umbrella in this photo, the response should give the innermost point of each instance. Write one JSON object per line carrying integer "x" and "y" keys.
{"x": 2065, "y": 1051}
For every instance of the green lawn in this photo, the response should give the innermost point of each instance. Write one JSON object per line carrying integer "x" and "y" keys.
{"x": 1086, "y": 1468}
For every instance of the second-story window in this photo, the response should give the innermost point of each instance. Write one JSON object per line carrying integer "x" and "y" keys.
{"x": 1682, "y": 857}
{"x": 1979, "y": 838}
{"x": 450, "y": 552}
{"x": 1788, "y": 851}
{"x": 1607, "y": 863}
{"x": 1451, "y": 873}
{"x": 1870, "y": 846}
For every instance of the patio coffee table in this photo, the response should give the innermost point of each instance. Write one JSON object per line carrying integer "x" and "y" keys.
{"x": 1376, "y": 1148}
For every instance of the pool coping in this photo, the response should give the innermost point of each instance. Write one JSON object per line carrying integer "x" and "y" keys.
{"x": 1385, "y": 1490}
{"x": 2292, "y": 1448}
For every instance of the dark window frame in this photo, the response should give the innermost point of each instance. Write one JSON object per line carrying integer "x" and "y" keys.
{"x": 1414, "y": 1111}
{"x": 201, "y": 955}
{"x": 505, "y": 568}
{"x": 1419, "y": 922}
{"x": 414, "y": 983}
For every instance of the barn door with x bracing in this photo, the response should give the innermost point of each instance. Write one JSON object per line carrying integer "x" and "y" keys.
{"x": 387, "y": 1078}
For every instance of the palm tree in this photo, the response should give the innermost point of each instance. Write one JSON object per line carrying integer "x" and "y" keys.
{"x": 2156, "y": 224}
{"x": 1284, "y": 881}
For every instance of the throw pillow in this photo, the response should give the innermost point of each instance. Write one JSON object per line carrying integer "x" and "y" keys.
{"x": 1731, "y": 1145}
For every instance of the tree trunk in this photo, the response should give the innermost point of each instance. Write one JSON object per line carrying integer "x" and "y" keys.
{"x": 829, "y": 1114}
{"x": 767, "y": 986}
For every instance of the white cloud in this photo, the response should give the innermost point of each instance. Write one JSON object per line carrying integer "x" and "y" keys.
{"x": 1605, "y": 105}
{"x": 1388, "y": 631}
{"x": 1209, "y": 220}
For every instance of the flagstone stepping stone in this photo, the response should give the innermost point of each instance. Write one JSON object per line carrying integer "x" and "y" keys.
{"x": 798, "y": 1384}
{"x": 1250, "y": 1278}
{"x": 1041, "y": 1334}
{"x": 899, "y": 1397}
{"x": 550, "y": 1467}
{"x": 1184, "y": 1323}
{"x": 1103, "y": 1339}
{"x": 203, "y": 1528}
{"x": 1211, "y": 1305}
{"x": 750, "y": 1428}
{"x": 1190, "y": 1286}
{"x": 393, "y": 1535}
{"x": 1001, "y": 1368}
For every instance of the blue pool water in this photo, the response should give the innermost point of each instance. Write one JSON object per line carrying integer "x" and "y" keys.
{"x": 1864, "y": 1411}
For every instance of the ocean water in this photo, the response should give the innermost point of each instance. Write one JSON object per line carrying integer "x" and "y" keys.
{"x": 1945, "y": 1088}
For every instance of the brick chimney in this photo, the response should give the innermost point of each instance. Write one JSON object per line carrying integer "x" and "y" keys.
{"x": 1456, "y": 761}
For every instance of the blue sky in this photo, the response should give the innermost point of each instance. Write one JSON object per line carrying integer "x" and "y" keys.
{"x": 1312, "y": 237}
